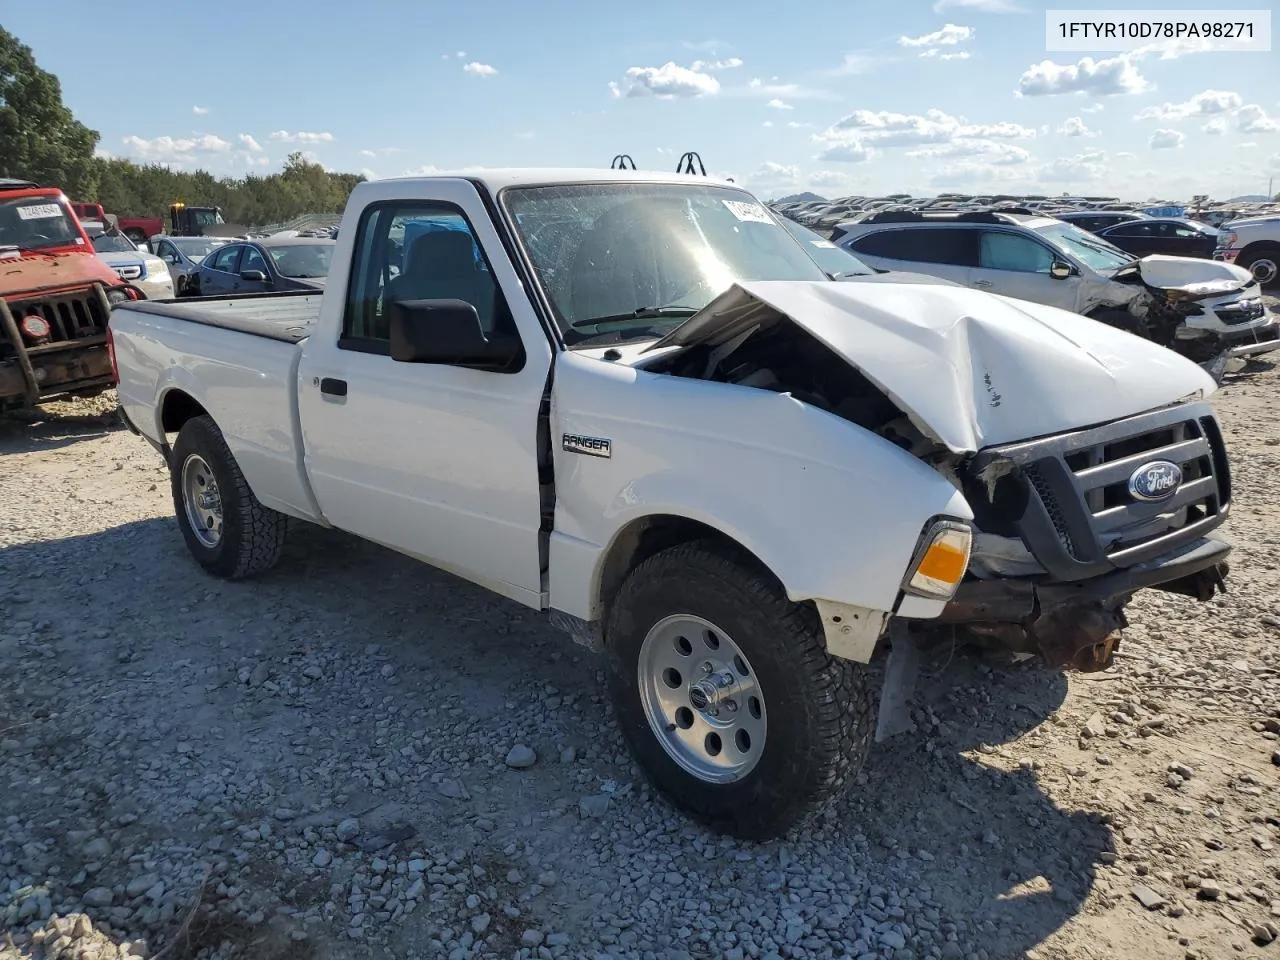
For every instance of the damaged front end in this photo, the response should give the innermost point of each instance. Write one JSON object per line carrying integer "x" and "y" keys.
{"x": 1074, "y": 525}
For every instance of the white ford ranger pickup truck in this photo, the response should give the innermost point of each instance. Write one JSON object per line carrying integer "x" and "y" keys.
{"x": 636, "y": 402}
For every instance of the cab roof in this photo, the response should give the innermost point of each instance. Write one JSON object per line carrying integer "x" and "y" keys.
{"x": 498, "y": 178}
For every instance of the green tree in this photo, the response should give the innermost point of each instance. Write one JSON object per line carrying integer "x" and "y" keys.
{"x": 40, "y": 139}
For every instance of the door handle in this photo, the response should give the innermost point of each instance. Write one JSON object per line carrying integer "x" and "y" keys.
{"x": 982, "y": 283}
{"x": 333, "y": 387}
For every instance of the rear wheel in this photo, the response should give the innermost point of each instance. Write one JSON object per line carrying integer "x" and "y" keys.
{"x": 727, "y": 696}
{"x": 226, "y": 529}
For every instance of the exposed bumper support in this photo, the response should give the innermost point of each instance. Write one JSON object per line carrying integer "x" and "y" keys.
{"x": 1076, "y": 625}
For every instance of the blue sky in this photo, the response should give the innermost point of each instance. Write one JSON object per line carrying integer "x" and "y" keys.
{"x": 840, "y": 97}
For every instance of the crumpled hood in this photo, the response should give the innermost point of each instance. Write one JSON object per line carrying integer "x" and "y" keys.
{"x": 970, "y": 369}
{"x": 1198, "y": 278}
{"x": 32, "y": 271}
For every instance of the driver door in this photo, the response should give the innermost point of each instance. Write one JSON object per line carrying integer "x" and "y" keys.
{"x": 438, "y": 461}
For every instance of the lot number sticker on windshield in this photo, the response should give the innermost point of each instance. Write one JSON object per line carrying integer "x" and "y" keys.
{"x": 40, "y": 211}
{"x": 747, "y": 212}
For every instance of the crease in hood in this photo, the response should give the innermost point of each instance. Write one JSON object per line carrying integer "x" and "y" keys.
{"x": 1194, "y": 277}
{"x": 970, "y": 369}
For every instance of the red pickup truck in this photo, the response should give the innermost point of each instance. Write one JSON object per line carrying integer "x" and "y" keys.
{"x": 55, "y": 300}
{"x": 137, "y": 229}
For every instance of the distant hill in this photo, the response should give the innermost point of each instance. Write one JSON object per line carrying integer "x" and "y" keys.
{"x": 1250, "y": 198}
{"x": 800, "y": 197}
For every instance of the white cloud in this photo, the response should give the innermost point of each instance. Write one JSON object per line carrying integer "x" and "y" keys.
{"x": 1126, "y": 155}
{"x": 369, "y": 174}
{"x": 981, "y": 6}
{"x": 772, "y": 176}
{"x": 798, "y": 125}
{"x": 1215, "y": 127}
{"x": 1101, "y": 78}
{"x": 950, "y": 35}
{"x": 1087, "y": 166}
{"x": 968, "y": 173}
{"x": 199, "y": 111}
{"x": 249, "y": 143}
{"x": 1167, "y": 139}
{"x": 937, "y": 54}
{"x": 767, "y": 123}
{"x": 884, "y": 128}
{"x": 703, "y": 66}
{"x": 302, "y": 136}
{"x": 368, "y": 153}
{"x": 1093, "y": 108}
{"x": 853, "y": 64}
{"x": 667, "y": 82}
{"x": 847, "y": 151}
{"x": 175, "y": 150}
{"x": 461, "y": 54}
{"x": 1076, "y": 127}
{"x": 1251, "y": 118}
{"x": 828, "y": 178}
{"x": 478, "y": 69}
{"x": 990, "y": 151}
{"x": 775, "y": 88}
{"x": 779, "y": 104}
{"x": 1207, "y": 103}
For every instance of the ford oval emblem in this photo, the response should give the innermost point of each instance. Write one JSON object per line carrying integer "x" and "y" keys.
{"x": 1155, "y": 481}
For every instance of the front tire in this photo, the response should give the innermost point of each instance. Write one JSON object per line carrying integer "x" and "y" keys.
{"x": 227, "y": 530}
{"x": 767, "y": 737}
{"x": 1263, "y": 262}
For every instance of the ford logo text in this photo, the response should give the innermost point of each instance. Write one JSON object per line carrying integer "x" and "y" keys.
{"x": 1155, "y": 481}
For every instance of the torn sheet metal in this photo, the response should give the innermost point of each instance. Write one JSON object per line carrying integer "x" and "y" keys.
{"x": 969, "y": 369}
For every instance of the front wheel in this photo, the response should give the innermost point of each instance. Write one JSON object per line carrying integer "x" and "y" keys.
{"x": 1264, "y": 263}
{"x": 227, "y": 530}
{"x": 726, "y": 694}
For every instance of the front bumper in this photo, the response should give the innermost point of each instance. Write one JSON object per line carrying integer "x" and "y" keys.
{"x": 156, "y": 288}
{"x": 1076, "y": 625}
{"x": 1253, "y": 341}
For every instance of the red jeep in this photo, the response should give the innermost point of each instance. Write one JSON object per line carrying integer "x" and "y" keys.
{"x": 55, "y": 299}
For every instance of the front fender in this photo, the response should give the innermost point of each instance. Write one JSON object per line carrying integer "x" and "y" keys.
{"x": 833, "y": 510}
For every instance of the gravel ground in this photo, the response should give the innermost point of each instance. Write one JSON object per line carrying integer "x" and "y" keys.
{"x": 357, "y": 756}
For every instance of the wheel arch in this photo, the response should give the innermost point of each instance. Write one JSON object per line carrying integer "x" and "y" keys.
{"x": 645, "y": 536}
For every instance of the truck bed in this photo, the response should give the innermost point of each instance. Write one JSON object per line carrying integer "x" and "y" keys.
{"x": 285, "y": 316}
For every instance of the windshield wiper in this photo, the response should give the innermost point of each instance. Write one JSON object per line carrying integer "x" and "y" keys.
{"x": 674, "y": 311}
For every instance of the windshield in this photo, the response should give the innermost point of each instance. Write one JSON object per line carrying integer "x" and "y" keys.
{"x": 303, "y": 261}
{"x": 610, "y": 256}
{"x": 835, "y": 261}
{"x": 105, "y": 243}
{"x": 1088, "y": 248}
{"x": 196, "y": 248}
{"x": 36, "y": 223}
{"x": 207, "y": 217}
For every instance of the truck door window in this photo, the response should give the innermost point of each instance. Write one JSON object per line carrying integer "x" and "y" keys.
{"x": 1008, "y": 251}
{"x": 416, "y": 251}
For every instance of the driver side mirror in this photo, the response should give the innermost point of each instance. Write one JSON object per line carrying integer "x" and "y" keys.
{"x": 448, "y": 332}
{"x": 254, "y": 276}
{"x": 1060, "y": 270}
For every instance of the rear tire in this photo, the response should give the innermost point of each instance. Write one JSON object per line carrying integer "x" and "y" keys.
{"x": 808, "y": 716}
{"x": 227, "y": 530}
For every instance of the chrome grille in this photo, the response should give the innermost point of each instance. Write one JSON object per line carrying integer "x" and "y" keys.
{"x": 1075, "y": 511}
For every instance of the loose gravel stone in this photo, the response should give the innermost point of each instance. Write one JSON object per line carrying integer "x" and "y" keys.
{"x": 519, "y": 757}
{"x": 315, "y": 757}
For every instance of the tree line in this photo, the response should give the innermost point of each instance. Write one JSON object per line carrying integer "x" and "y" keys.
{"x": 41, "y": 140}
